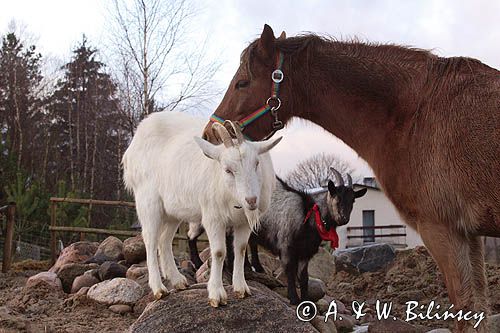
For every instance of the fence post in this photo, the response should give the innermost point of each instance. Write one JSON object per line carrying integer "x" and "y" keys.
{"x": 53, "y": 241}
{"x": 9, "y": 235}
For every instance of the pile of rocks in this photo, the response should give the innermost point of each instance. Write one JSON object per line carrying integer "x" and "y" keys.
{"x": 107, "y": 273}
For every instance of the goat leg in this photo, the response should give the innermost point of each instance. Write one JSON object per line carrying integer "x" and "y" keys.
{"x": 304, "y": 280}
{"x": 255, "y": 255}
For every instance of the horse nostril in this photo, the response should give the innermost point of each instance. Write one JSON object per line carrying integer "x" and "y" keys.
{"x": 252, "y": 201}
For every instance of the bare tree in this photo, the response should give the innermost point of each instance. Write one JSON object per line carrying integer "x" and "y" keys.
{"x": 315, "y": 171}
{"x": 158, "y": 68}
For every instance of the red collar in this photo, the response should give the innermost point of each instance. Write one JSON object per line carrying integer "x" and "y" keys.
{"x": 326, "y": 235}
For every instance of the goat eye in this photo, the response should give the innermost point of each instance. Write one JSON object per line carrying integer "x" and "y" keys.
{"x": 256, "y": 164}
{"x": 229, "y": 171}
{"x": 242, "y": 84}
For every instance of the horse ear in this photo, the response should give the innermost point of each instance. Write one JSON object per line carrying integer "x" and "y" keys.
{"x": 266, "y": 41}
{"x": 282, "y": 36}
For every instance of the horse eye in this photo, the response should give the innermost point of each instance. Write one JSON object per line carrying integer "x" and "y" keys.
{"x": 242, "y": 84}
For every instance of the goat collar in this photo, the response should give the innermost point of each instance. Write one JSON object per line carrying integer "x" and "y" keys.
{"x": 326, "y": 235}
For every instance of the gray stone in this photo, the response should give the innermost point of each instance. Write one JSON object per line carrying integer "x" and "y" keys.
{"x": 110, "y": 270}
{"x": 120, "y": 308}
{"x": 85, "y": 280}
{"x": 322, "y": 266}
{"x": 98, "y": 259}
{"x": 75, "y": 253}
{"x": 189, "y": 311}
{"x": 346, "y": 324}
{"x": 68, "y": 273}
{"x": 134, "y": 250}
{"x": 323, "y": 327}
{"x": 116, "y": 291}
{"x": 439, "y": 330}
{"x": 317, "y": 289}
{"x": 48, "y": 278}
{"x": 362, "y": 259}
{"x": 391, "y": 325}
{"x": 494, "y": 323}
{"x": 111, "y": 248}
{"x": 136, "y": 271}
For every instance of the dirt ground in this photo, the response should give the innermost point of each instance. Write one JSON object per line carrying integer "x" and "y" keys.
{"x": 412, "y": 276}
{"x": 45, "y": 311}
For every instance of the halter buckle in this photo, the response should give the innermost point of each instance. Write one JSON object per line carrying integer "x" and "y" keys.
{"x": 277, "y": 76}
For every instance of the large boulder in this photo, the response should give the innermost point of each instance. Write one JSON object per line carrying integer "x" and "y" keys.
{"x": 322, "y": 266}
{"x": 116, "y": 291}
{"x": 134, "y": 250}
{"x": 110, "y": 270}
{"x": 75, "y": 253}
{"x": 68, "y": 273}
{"x": 189, "y": 310}
{"x": 111, "y": 248}
{"x": 369, "y": 258}
{"x": 49, "y": 279}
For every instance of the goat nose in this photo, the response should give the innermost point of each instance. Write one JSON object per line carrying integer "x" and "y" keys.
{"x": 252, "y": 201}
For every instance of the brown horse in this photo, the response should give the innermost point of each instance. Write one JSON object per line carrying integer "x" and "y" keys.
{"x": 428, "y": 126}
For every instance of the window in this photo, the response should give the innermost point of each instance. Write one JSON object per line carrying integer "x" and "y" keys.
{"x": 368, "y": 224}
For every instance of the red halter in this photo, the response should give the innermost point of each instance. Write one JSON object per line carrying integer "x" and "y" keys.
{"x": 326, "y": 235}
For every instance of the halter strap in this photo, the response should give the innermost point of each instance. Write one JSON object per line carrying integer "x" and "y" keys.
{"x": 277, "y": 76}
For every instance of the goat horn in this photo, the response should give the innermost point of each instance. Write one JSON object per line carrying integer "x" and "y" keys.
{"x": 234, "y": 130}
{"x": 338, "y": 176}
{"x": 349, "y": 180}
{"x": 222, "y": 133}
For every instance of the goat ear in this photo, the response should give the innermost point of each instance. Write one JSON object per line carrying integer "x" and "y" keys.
{"x": 210, "y": 150}
{"x": 360, "y": 193}
{"x": 331, "y": 188}
{"x": 265, "y": 146}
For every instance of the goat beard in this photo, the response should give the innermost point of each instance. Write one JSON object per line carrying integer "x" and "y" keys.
{"x": 253, "y": 218}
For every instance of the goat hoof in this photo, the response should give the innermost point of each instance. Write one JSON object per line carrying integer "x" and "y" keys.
{"x": 160, "y": 293}
{"x": 213, "y": 303}
{"x": 181, "y": 286}
{"x": 242, "y": 294}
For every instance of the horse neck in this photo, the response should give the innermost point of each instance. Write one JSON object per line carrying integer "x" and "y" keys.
{"x": 362, "y": 94}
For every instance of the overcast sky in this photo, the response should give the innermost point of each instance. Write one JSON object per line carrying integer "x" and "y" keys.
{"x": 449, "y": 28}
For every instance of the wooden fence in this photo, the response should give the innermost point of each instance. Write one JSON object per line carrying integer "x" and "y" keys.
{"x": 10, "y": 213}
{"x": 181, "y": 237}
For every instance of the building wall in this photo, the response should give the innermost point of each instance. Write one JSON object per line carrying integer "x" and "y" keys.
{"x": 385, "y": 214}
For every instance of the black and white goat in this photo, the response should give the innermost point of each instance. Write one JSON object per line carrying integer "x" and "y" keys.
{"x": 294, "y": 227}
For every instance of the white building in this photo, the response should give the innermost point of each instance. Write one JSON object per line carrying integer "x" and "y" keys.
{"x": 374, "y": 219}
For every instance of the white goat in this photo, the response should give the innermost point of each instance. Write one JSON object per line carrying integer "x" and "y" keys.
{"x": 173, "y": 181}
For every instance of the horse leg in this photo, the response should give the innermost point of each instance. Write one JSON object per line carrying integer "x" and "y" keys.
{"x": 479, "y": 278}
{"x": 452, "y": 252}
